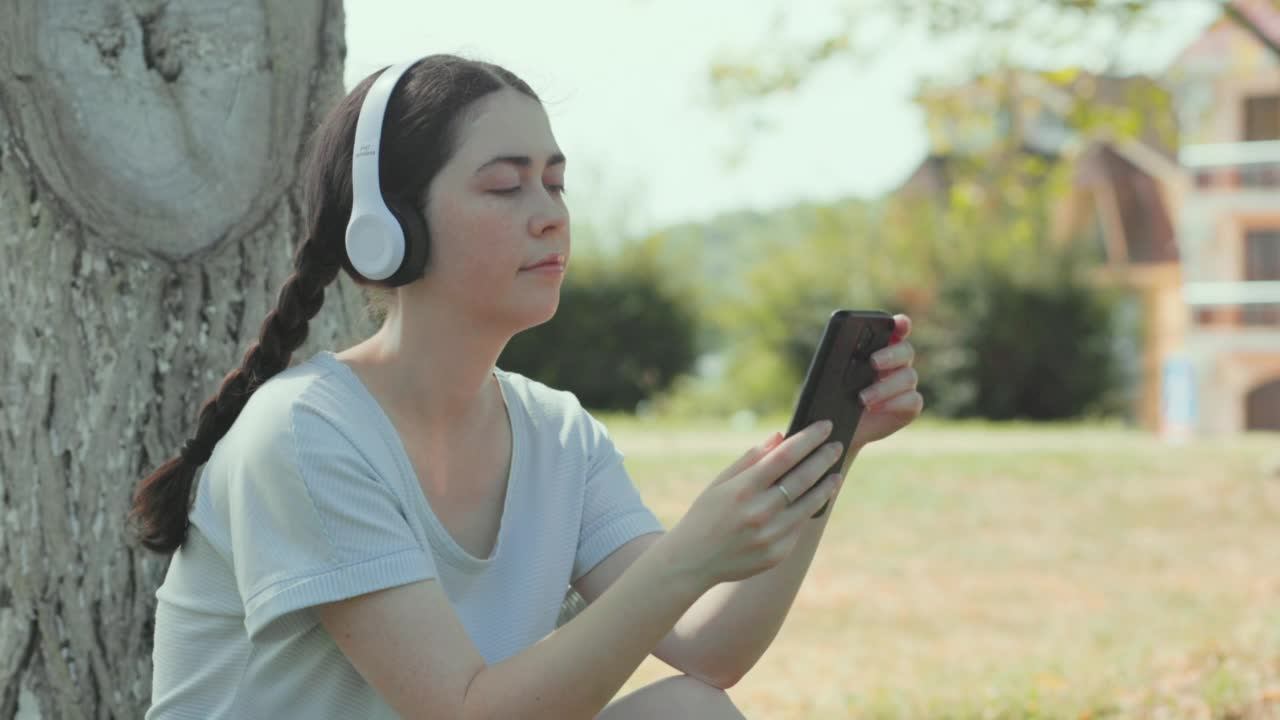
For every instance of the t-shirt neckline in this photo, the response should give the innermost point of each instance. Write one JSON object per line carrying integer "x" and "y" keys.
{"x": 454, "y": 553}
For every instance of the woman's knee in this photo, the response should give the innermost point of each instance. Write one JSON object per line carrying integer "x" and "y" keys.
{"x": 679, "y": 696}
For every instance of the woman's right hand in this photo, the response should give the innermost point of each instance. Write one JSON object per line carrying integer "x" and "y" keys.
{"x": 741, "y": 525}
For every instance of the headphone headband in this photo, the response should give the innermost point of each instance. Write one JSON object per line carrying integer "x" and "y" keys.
{"x": 375, "y": 239}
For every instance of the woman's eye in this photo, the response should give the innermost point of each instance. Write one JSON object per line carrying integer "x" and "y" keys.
{"x": 516, "y": 189}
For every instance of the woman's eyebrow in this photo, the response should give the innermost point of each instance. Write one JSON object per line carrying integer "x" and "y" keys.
{"x": 522, "y": 160}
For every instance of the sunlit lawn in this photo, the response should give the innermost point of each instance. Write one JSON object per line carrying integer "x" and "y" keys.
{"x": 1016, "y": 571}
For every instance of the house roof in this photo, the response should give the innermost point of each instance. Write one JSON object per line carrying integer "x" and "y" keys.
{"x": 1225, "y": 43}
{"x": 1131, "y": 185}
{"x": 1144, "y": 218}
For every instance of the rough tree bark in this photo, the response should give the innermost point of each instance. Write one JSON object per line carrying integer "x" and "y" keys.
{"x": 148, "y": 214}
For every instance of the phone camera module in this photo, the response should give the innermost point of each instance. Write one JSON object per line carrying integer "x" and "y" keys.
{"x": 853, "y": 375}
{"x": 864, "y": 340}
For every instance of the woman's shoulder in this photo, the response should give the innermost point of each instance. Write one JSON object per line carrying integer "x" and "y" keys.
{"x": 302, "y": 382}
{"x": 542, "y": 399}
{"x": 313, "y": 390}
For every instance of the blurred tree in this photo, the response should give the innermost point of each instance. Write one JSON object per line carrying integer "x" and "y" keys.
{"x": 1036, "y": 350}
{"x": 955, "y": 268}
{"x": 148, "y": 213}
{"x": 1033, "y": 339}
{"x": 991, "y": 32}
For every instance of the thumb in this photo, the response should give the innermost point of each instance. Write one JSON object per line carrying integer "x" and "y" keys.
{"x": 750, "y": 457}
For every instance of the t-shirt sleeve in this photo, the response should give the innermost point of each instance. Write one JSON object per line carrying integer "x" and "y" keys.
{"x": 312, "y": 521}
{"x": 613, "y": 512}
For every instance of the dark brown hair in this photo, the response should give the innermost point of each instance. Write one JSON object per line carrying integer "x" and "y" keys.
{"x": 419, "y": 135}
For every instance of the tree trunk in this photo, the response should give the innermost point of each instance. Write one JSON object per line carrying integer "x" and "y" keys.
{"x": 148, "y": 215}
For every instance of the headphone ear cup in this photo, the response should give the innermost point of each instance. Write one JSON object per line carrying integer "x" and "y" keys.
{"x": 416, "y": 243}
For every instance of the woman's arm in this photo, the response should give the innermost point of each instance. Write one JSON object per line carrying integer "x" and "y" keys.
{"x": 731, "y": 626}
{"x": 575, "y": 671}
{"x": 408, "y": 643}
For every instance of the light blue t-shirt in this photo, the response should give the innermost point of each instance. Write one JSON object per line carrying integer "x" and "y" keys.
{"x": 310, "y": 498}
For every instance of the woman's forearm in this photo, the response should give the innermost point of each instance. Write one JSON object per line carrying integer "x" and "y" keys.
{"x": 731, "y": 626}
{"x": 576, "y": 670}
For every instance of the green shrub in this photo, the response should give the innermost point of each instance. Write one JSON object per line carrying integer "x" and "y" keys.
{"x": 1004, "y": 347}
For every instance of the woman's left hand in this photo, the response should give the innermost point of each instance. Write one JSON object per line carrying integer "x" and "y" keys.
{"x": 892, "y": 401}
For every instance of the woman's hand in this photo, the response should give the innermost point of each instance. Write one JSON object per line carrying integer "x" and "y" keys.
{"x": 741, "y": 524}
{"x": 892, "y": 402}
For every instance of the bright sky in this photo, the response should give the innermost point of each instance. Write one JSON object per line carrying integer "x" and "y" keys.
{"x": 625, "y": 85}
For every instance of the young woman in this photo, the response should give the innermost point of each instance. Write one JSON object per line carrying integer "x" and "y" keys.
{"x": 389, "y": 530}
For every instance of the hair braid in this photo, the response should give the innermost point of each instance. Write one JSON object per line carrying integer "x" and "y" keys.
{"x": 162, "y": 501}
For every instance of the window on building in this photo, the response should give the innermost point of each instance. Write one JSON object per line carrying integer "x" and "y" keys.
{"x": 1097, "y": 233}
{"x": 1262, "y": 407}
{"x": 1262, "y": 118}
{"x": 1260, "y": 175}
{"x": 1262, "y": 262}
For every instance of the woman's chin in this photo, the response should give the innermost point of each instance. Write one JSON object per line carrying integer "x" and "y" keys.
{"x": 535, "y": 314}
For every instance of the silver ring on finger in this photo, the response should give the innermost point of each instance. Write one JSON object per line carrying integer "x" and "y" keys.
{"x": 785, "y": 494}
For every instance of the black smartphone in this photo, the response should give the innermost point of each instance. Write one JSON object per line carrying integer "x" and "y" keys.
{"x": 840, "y": 369}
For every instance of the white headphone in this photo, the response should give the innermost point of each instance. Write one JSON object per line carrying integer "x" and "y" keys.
{"x": 384, "y": 241}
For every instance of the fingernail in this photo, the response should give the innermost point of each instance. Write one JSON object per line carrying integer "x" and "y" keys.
{"x": 868, "y": 396}
{"x": 825, "y": 426}
{"x": 879, "y": 359}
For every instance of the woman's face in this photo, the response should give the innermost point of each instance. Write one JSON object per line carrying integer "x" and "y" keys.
{"x": 495, "y": 208}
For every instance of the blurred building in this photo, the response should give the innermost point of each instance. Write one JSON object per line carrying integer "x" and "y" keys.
{"x": 1186, "y": 213}
{"x": 1227, "y": 88}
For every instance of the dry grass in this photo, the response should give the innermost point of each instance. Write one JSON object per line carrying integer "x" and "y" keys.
{"x": 986, "y": 571}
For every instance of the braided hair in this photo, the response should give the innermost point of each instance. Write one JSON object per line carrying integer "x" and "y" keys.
{"x": 420, "y": 132}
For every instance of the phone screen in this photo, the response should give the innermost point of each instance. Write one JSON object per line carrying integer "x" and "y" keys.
{"x": 840, "y": 369}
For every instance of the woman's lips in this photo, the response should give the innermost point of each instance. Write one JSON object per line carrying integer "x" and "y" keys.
{"x": 546, "y": 269}
{"x": 551, "y": 263}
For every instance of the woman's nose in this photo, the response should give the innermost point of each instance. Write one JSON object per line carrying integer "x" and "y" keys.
{"x": 552, "y": 214}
